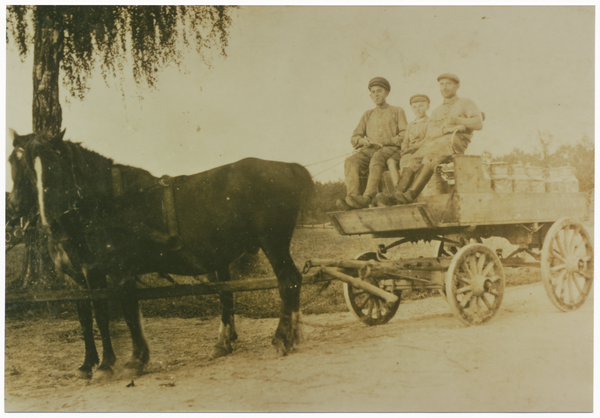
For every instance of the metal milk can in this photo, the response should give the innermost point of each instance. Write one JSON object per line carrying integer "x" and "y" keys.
{"x": 554, "y": 183}
{"x": 499, "y": 175}
{"x": 536, "y": 179}
{"x": 567, "y": 173}
{"x": 519, "y": 178}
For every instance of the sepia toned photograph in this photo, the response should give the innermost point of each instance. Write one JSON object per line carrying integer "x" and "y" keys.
{"x": 299, "y": 208}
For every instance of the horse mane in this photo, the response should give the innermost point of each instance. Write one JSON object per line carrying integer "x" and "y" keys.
{"x": 96, "y": 171}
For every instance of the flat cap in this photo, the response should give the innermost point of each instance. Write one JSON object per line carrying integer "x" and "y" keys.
{"x": 379, "y": 81}
{"x": 419, "y": 98}
{"x": 449, "y": 76}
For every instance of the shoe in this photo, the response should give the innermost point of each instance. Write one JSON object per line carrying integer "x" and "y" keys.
{"x": 359, "y": 202}
{"x": 421, "y": 180}
{"x": 404, "y": 198}
{"x": 342, "y": 205}
{"x": 383, "y": 200}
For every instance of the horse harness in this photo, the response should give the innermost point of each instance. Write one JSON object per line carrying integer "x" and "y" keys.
{"x": 168, "y": 206}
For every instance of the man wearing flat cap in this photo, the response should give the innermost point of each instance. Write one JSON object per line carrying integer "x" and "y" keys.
{"x": 449, "y": 131}
{"x": 377, "y": 137}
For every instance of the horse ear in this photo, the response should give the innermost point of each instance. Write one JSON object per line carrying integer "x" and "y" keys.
{"x": 11, "y": 136}
{"x": 59, "y": 137}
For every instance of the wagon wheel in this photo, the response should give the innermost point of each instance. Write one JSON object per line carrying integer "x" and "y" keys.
{"x": 450, "y": 250}
{"x": 475, "y": 284}
{"x": 567, "y": 264}
{"x": 368, "y": 308}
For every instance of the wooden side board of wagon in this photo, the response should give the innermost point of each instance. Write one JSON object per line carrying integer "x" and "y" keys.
{"x": 469, "y": 274}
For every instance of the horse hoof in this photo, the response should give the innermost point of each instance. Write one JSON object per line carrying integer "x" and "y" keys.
{"x": 218, "y": 352}
{"x": 85, "y": 374}
{"x": 104, "y": 372}
{"x": 280, "y": 347}
{"x": 134, "y": 368}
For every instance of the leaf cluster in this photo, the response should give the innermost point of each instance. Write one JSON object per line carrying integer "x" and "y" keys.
{"x": 152, "y": 36}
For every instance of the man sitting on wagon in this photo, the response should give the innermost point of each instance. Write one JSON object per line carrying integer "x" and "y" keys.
{"x": 377, "y": 137}
{"x": 413, "y": 140}
{"x": 449, "y": 131}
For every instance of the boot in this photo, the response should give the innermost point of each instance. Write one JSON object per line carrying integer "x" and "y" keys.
{"x": 372, "y": 186}
{"x": 359, "y": 202}
{"x": 342, "y": 205}
{"x": 421, "y": 180}
{"x": 404, "y": 183}
{"x": 384, "y": 200}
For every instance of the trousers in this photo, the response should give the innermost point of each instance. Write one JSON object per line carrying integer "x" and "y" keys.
{"x": 369, "y": 161}
{"x": 432, "y": 153}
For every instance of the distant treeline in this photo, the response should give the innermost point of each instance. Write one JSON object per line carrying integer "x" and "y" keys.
{"x": 579, "y": 155}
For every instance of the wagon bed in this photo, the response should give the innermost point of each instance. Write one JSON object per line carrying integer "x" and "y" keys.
{"x": 472, "y": 203}
{"x": 546, "y": 226}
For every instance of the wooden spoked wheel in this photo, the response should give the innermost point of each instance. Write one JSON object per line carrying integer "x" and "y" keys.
{"x": 449, "y": 250}
{"x": 368, "y": 308}
{"x": 567, "y": 264}
{"x": 475, "y": 284}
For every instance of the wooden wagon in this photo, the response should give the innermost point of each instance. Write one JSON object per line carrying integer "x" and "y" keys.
{"x": 469, "y": 274}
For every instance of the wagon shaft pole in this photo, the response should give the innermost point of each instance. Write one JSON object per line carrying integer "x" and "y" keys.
{"x": 162, "y": 292}
{"x": 359, "y": 284}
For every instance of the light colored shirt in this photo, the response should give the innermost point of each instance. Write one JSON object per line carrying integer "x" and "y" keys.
{"x": 385, "y": 126}
{"x": 415, "y": 132}
{"x": 457, "y": 107}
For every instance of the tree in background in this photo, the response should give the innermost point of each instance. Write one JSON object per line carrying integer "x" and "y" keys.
{"x": 75, "y": 40}
{"x": 78, "y": 39}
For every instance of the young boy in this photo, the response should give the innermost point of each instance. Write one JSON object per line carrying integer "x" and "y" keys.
{"x": 413, "y": 139}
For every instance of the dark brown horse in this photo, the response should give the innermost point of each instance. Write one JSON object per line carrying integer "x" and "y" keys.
{"x": 106, "y": 219}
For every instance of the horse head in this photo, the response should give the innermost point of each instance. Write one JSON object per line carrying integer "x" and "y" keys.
{"x": 40, "y": 177}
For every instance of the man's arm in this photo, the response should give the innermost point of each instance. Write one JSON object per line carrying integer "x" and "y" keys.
{"x": 473, "y": 119}
{"x": 359, "y": 136}
{"x": 401, "y": 117}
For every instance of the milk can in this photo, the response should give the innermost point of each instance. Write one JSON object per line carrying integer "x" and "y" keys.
{"x": 567, "y": 173}
{"x": 536, "y": 179}
{"x": 554, "y": 183}
{"x": 520, "y": 180}
{"x": 499, "y": 175}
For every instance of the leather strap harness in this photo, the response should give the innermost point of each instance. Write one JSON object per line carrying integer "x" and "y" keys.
{"x": 168, "y": 207}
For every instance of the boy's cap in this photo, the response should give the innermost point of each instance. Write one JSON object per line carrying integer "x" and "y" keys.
{"x": 419, "y": 98}
{"x": 379, "y": 81}
{"x": 449, "y": 76}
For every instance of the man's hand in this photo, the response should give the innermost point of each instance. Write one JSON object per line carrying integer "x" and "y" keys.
{"x": 368, "y": 142}
{"x": 409, "y": 150}
{"x": 362, "y": 142}
{"x": 450, "y": 129}
{"x": 450, "y": 121}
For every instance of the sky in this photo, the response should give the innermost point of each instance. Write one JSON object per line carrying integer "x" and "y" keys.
{"x": 294, "y": 85}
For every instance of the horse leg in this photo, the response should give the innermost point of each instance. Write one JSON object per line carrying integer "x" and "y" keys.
{"x": 98, "y": 280}
{"x": 84, "y": 310}
{"x": 227, "y": 334}
{"x": 288, "y": 331}
{"x": 133, "y": 318}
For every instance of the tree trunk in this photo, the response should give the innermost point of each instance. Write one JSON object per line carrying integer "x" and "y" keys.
{"x": 47, "y": 118}
{"x": 47, "y": 54}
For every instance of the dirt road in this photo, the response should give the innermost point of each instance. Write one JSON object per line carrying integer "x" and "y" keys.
{"x": 530, "y": 357}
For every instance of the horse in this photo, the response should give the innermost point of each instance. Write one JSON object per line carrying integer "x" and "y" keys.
{"x": 107, "y": 219}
